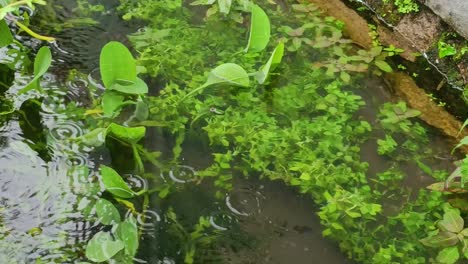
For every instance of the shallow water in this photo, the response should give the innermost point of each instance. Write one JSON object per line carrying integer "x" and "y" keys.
{"x": 42, "y": 200}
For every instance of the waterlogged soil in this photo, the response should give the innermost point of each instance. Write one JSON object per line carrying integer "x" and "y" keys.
{"x": 41, "y": 202}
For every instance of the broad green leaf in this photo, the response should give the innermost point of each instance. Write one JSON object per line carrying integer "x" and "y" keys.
{"x": 442, "y": 239}
{"x": 41, "y": 65}
{"x": 229, "y": 73}
{"x": 448, "y": 255}
{"x": 106, "y": 212}
{"x": 114, "y": 183}
{"x": 127, "y": 232}
{"x": 102, "y": 247}
{"x": 137, "y": 87}
{"x": 112, "y": 103}
{"x": 224, "y": 6}
{"x": 270, "y": 66}
{"x": 452, "y": 222}
{"x": 5, "y": 34}
{"x": 383, "y": 66}
{"x": 129, "y": 134}
{"x": 259, "y": 30}
{"x": 116, "y": 62}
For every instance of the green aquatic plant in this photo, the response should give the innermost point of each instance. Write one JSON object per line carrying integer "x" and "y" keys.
{"x": 227, "y": 8}
{"x": 445, "y": 49}
{"x": 259, "y": 35}
{"x": 121, "y": 244}
{"x": 451, "y": 237}
{"x": 295, "y": 123}
{"x": 13, "y": 6}
{"x": 405, "y": 6}
{"x": 42, "y": 63}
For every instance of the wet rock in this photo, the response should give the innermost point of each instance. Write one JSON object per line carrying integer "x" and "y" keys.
{"x": 454, "y": 12}
{"x": 421, "y": 29}
{"x": 388, "y": 37}
{"x": 356, "y": 27}
{"x": 432, "y": 114}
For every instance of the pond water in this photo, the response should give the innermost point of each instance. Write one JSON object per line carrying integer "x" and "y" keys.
{"x": 46, "y": 178}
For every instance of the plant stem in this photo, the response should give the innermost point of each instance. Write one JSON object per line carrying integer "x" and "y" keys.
{"x": 32, "y": 33}
{"x": 193, "y": 92}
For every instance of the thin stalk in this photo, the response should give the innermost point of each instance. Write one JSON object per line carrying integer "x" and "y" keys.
{"x": 193, "y": 92}
{"x": 32, "y": 33}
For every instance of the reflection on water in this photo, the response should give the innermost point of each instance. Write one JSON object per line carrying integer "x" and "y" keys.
{"x": 38, "y": 214}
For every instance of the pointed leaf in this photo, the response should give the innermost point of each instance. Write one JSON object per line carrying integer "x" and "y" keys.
{"x": 102, "y": 247}
{"x": 127, "y": 232}
{"x": 273, "y": 62}
{"x": 41, "y": 65}
{"x": 452, "y": 222}
{"x": 116, "y": 62}
{"x": 5, "y": 34}
{"x": 442, "y": 239}
{"x": 383, "y": 66}
{"x": 114, "y": 183}
{"x": 229, "y": 73}
{"x": 106, "y": 212}
{"x": 259, "y": 30}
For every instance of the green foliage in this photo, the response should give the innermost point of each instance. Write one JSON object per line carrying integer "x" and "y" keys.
{"x": 5, "y": 35}
{"x": 116, "y": 64}
{"x": 450, "y": 234}
{"x": 300, "y": 125}
{"x": 228, "y": 73}
{"x": 114, "y": 183}
{"x": 405, "y": 6}
{"x": 259, "y": 35}
{"x": 273, "y": 62}
{"x": 41, "y": 65}
{"x": 445, "y": 49}
{"x": 102, "y": 247}
{"x": 386, "y": 146}
{"x": 9, "y": 6}
{"x": 106, "y": 212}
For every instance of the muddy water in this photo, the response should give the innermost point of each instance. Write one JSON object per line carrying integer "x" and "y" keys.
{"x": 41, "y": 199}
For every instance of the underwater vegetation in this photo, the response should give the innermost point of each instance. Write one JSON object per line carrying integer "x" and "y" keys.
{"x": 272, "y": 90}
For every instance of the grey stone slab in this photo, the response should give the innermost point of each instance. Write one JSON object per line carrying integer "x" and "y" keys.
{"x": 454, "y": 12}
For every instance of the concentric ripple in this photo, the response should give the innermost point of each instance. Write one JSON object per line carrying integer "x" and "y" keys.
{"x": 181, "y": 174}
{"x": 65, "y": 130}
{"x": 244, "y": 202}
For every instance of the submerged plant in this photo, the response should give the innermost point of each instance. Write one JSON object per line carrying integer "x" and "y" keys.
{"x": 451, "y": 236}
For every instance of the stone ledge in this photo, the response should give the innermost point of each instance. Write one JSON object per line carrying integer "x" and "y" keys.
{"x": 453, "y": 12}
